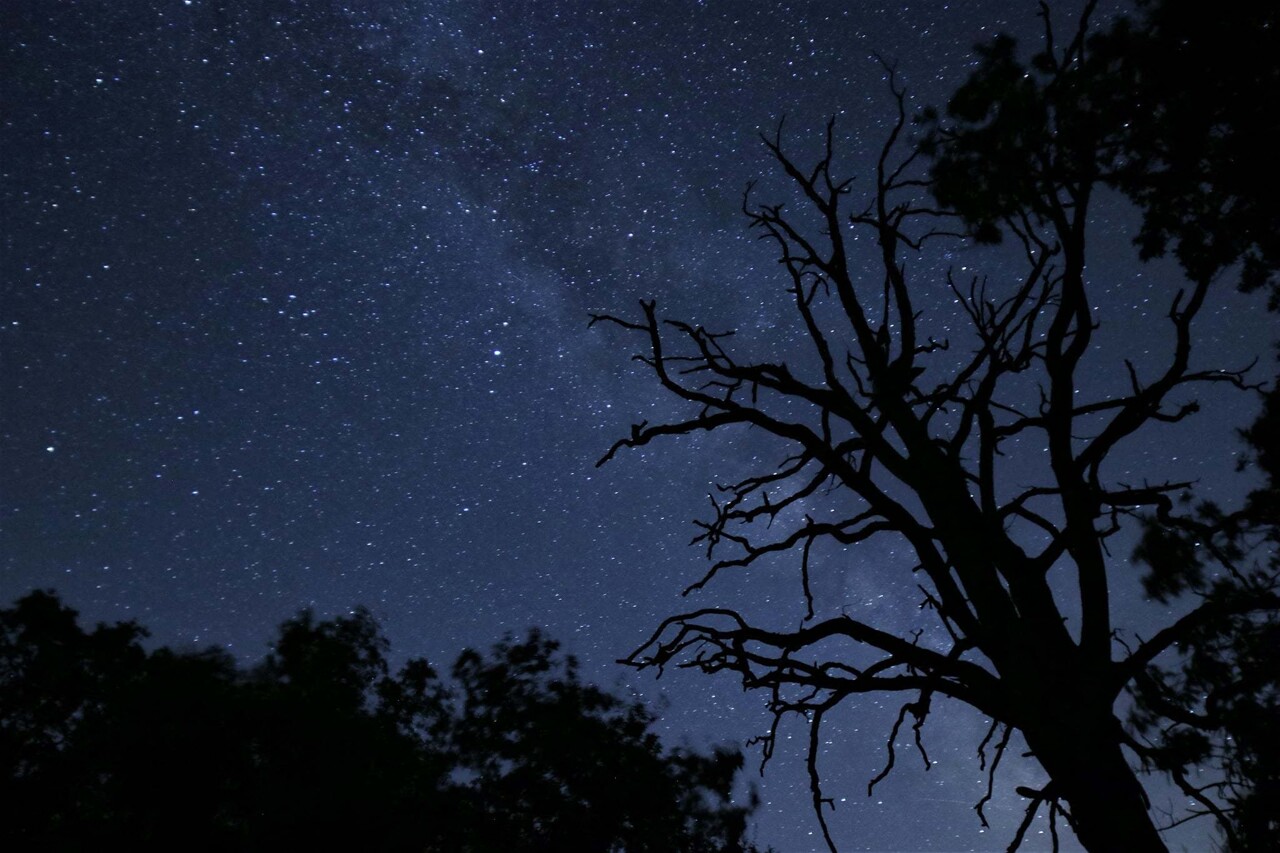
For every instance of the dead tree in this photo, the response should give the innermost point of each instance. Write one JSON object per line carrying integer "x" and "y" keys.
{"x": 909, "y": 440}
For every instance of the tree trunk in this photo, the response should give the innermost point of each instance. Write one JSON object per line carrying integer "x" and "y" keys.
{"x": 1110, "y": 809}
{"x": 1089, "y": 772}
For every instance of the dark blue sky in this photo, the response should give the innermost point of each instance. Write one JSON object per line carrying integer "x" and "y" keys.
{"x": 293, "y": 313}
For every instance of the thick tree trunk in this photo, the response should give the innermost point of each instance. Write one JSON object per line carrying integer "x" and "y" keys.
{"x": 1110, "y": 809}
{"x": 1089, "y": 772}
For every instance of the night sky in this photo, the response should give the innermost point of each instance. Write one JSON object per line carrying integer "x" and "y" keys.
{"x": 293, "y": 312}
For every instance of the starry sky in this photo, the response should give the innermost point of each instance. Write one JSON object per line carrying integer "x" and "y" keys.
{"x": 293, "y": 312}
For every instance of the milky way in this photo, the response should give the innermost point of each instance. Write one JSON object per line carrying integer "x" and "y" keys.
{"x": 294, "y": 313}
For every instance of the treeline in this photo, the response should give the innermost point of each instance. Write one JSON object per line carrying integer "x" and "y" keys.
{"x": 321, "y": 744}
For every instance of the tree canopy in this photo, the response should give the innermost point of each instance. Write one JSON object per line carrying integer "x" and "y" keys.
{"x": 988, "y": 452}
{"x": 1167, "y": 105}
{"x": 321, "y": 745}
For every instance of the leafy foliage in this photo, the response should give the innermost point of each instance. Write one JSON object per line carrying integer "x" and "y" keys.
{"x": 1216, "y": 706}
{"x": 1164, "y": 105}
{"x": 322, "y": 745}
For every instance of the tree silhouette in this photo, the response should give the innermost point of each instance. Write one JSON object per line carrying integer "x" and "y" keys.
{"x": 988, "y": 456}
{"x": 322, "y": 746}
{"x": 1218, "y": 703}
{"x": 562, "y": 765}
{"x": 1167, "y": 108}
